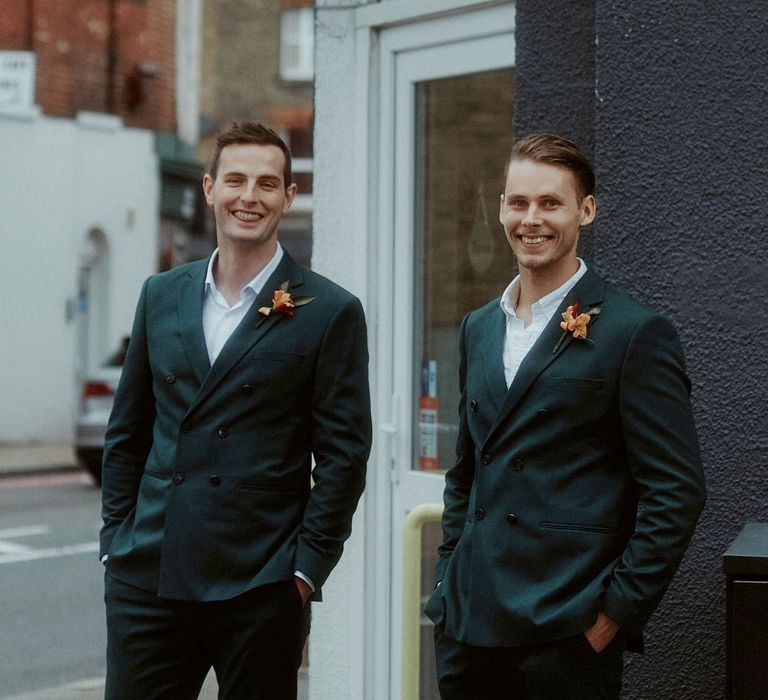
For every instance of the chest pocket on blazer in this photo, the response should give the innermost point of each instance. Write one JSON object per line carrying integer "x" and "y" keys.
{"x": 276, "y": 356}
{"x": 574, "y": 383}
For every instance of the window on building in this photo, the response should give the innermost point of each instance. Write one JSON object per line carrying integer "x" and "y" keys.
{"x": 297, "y": 40}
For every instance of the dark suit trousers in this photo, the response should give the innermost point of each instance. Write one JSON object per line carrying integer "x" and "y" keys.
{"x": 567, "y": 669}
{"x": 163, "y": 649}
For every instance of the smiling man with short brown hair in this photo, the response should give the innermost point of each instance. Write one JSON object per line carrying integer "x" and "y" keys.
{"x": 578, "y": 480}
{"x": 236, "y": 451}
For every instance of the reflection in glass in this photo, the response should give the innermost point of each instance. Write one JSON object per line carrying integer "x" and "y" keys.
{"x": 464, "y": 135}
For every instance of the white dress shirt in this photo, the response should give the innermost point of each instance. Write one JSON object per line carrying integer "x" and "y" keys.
{"x": 219, "y": 318}
{"x": 519, "y": 338}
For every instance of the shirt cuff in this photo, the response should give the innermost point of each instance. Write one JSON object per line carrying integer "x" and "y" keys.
{"x": 306, "y": 579}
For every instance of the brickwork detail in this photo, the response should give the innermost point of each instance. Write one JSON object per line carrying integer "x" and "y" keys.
{"x": 114, "y": 56}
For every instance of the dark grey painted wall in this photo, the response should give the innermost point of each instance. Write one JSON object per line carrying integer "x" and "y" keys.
{"x": 675, "y": 115}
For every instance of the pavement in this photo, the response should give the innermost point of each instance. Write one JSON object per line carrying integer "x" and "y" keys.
{"x": 93, "y": 689}
{"x": 25, "y": 461}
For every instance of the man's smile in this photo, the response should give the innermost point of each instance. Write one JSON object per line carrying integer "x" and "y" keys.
{"x": 247, "y": 215}
{"x": 533, "y": 240}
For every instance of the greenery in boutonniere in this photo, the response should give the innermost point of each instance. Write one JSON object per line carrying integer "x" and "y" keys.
{"x": 576, "y": 323}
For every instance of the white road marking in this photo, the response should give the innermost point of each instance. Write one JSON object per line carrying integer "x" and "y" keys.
{"x": 11, "y": 532}
{"x": 50, "y": 553}
{"x": 10, "y": 547}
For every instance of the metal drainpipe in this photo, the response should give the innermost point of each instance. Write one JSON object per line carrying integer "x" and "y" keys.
{"x": 111, "y": 56}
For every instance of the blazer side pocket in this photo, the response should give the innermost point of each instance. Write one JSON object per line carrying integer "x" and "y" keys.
{"x": 577, "y": 527}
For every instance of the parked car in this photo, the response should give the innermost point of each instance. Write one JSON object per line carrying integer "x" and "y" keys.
{"x": 97, "y": 394}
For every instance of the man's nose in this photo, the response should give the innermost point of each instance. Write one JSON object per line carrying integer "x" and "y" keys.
{"x": 250, "y": 193}
{"x": 532, "y": 217}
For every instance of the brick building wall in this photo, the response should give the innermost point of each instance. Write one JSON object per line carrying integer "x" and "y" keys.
{"x": 114, "y": 56}
{"x": 241, "y": 68}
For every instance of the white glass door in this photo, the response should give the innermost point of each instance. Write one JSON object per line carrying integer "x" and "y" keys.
{"x": 448, "y": 121}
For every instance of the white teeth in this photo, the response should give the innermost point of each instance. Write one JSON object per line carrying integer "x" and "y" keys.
{"x": 532, "y": 241}
{"x": 247, "y": 215}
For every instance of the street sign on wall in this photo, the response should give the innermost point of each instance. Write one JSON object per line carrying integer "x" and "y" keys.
{"x": 17, "y": 81}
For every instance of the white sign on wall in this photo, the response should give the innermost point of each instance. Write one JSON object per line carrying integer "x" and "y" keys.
{"x": 17, "y": 81}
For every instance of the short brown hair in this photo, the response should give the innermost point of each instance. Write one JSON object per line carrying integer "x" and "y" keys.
{"x": 544, "y": 147}
{"x": 250, "y": 132}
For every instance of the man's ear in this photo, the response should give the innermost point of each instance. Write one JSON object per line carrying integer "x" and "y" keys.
{"x": 588, "y": 210}
{"x": 290, "y": 193}
{"x": 208, "y": 188}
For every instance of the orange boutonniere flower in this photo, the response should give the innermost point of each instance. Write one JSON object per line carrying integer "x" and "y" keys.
{"x": 575, "y": 323}
{"x": 283, "y": 302}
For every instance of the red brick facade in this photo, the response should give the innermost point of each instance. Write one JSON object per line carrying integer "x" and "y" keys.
{"x": 113, "y": 56}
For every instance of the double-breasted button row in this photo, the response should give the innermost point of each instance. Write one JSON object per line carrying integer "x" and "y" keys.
{"x": 170, "y": 378}
{"x": 473, "y": 406}
{"x": 486, "y": 459}
{"x": 517, "y": 464}
{"x": 511, "y": 518}
{"x": 215, "y": 479}
{"x": 247, "y": 389}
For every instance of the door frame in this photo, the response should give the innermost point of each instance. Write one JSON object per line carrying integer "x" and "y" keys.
{"x": 462, "y": 39}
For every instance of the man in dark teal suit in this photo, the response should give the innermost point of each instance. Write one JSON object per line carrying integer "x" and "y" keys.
{"x": 235, "y": 454}
{"x": 578, "y": 479}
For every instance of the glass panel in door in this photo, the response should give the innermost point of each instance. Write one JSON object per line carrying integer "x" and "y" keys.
{"x": 463, "y": 137}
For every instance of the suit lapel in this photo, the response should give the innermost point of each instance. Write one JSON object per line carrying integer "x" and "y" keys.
{"x": 252, "y": 328}
{"x": 493, "y": 361}
{"x": 190, "y": 307}
{"x": 588, "y": 291}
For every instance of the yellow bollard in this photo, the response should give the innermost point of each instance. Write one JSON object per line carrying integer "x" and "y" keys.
{"x": 424, "y": 513}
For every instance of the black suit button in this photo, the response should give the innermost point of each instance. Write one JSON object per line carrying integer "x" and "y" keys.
{"x": 473, "y": 405}
{"x": 512, "y": 519}
{"x": 185, "y": 427}
{"x": 178, "y": 479}
{"x": 479, "y": 514}
{"x": 222, "y": 432}
{"x": 543, "y": 414}
{"x": 215, "y": 480}
{"x": 517, "y": 464}
{"x": 170, "y": 378}
{"x": 486, "y": 458}
{"x": 247, "y": 389}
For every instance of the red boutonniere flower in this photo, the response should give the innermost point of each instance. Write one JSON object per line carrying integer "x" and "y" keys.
{"x": 283, "y": 302}
{"x": 575, "y": 323}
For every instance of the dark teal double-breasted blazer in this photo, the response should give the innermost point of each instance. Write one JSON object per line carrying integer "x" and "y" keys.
{"x": 208, "y": 484}
{"x": 576, "y": 490}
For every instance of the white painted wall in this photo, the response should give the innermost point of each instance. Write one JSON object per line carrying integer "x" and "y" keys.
{"x": 340, "y": 251}
{"x": 63, "y": 178}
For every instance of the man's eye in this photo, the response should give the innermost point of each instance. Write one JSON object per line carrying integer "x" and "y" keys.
{"x": 550, "y": 203}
